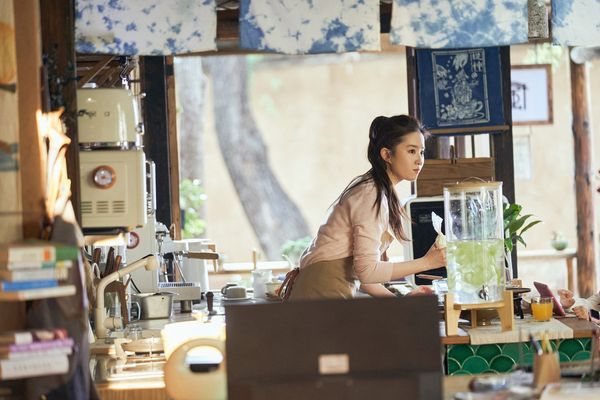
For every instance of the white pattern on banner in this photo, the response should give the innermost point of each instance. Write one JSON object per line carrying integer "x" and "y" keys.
{"x": 576, "y": 22}
{"x": 316, "y": 26}
{"x": 143, "y": 27}
{"x": 438, "y": 24}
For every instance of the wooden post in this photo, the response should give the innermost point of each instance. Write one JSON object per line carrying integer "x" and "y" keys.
{"x": 582, "y": 141}
{"x": 29, "y": 62}
{"x": 502, "y": 145}
{"x": 173, "y": 148}
{"x": 58, "y": 46}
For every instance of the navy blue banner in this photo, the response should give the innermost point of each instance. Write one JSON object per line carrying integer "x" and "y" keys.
{"x": 460, "y": 88}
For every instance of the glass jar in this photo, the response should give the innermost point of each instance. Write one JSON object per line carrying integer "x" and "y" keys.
{"x": 475, "y": 241}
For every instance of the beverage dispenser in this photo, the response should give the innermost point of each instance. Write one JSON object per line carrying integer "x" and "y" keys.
{"x": 475, "y": 241}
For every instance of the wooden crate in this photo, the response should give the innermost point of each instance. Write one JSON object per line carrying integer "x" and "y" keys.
{"x": 437, "y": 173}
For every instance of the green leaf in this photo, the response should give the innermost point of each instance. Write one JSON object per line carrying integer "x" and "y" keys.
{"x": 515, "y": 225}
{"x": 530, "y": 225}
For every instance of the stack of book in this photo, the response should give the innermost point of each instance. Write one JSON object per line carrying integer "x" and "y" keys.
{"x": 34, "y": 270}
{"x": 34, "y": 353}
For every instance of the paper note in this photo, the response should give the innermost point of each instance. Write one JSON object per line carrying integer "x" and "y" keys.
{"x": 436, "y": 221}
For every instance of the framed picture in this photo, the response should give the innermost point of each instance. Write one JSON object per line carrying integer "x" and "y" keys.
{"x": 460, "y": 90}
{"x": 531, "y": 91}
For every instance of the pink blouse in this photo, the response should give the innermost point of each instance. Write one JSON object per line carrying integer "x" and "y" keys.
{"x": 353, "y": 228}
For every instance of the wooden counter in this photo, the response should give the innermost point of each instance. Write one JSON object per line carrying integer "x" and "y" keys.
{"x": 140, "y": 390}
{"x": 581, "y": 329}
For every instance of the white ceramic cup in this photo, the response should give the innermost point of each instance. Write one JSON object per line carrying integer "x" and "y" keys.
{"x": 235, "y": 292}
{"x": 272, "y": 287}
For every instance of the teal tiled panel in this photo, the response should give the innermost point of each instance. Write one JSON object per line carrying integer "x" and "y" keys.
{"x": 464, "y": 359}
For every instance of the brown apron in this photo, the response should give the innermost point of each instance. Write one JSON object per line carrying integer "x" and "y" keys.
{"x": 333, "y": 279}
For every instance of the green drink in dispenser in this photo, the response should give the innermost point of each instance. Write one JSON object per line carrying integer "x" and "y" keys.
{"x": 475, "y": 245}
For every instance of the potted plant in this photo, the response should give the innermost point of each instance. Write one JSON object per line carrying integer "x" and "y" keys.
{"x": 515, "y": 225}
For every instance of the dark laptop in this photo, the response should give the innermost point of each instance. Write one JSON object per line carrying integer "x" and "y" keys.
{"x": 335, "y": 349}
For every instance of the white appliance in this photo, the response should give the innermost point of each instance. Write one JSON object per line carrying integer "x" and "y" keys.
{"x": 112, "y": 162}
{"x": 143, "y": 241}
{"x": 108, "y": 118}
{"x": 113, "y": 188}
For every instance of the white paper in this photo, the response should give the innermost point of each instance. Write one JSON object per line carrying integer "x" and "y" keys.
{"x": 440, "y": 240}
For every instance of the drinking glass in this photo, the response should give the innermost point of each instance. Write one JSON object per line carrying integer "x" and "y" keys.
{"x": 541, "y": 308}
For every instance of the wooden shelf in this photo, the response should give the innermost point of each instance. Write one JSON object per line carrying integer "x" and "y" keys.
{"x": 35, "y": 294}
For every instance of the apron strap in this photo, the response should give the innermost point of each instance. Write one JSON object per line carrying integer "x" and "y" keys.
{"x": 285, "y": 290}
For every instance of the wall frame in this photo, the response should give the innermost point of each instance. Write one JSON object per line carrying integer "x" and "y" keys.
{"x": 531, "y": 94}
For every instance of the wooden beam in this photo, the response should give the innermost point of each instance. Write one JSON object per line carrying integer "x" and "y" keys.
{"x": 58, "y": 45}
{"x": 173, "y": 149}
{"x": 29, "y": 63}
{"x": 100, "y": 64}
{"x": 156, "y": 138}
{"x": 502, "y": 144}
{"x": 582, "y": 138}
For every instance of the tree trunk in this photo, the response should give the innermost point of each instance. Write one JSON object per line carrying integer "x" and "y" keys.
{"x": 586, "y": 264}
{"x": 273, "y": 215}
{"x": 190, "y": 88}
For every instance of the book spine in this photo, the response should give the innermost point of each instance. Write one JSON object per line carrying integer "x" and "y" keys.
{"x": 34, "y": 366}
{"x": 38, "y": 353}
{"x": 35, "y": 346}
{"x": 13, "y": 266}
{"x": 34, "y": 274}
{"x": 16, "y": 338}
{"x": 30, "y": 253}
{"x": 26, "y": 285}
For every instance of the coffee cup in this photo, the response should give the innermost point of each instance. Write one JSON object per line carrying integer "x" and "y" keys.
{"x": 224, "y": 288}
{"x": 272, "y": 287}
{"x": 234, "y": 292}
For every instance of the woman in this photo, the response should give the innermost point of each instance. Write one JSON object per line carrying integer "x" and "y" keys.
{"x": 364, "y": 220}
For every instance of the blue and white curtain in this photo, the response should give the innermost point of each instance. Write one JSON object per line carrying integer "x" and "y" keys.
{"x": 458, "y": 23}
{"x": 309, "y": 26}
{"x": 145, "y": 27}
{"x": 576, "y": 22}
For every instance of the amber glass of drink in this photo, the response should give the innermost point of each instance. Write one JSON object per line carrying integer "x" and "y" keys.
{"x": 541, "y": 308}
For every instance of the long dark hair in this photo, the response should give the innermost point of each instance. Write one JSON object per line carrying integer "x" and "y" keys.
{"x": 386, "y": 132}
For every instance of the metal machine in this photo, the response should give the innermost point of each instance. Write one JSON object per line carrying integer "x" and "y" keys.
{"x": 112, "y": 161}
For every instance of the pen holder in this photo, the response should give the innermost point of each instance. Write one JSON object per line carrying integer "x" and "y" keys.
{"x": 546, "y": 369}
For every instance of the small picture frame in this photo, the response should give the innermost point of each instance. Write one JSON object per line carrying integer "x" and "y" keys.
{"x": 531, "y": 94}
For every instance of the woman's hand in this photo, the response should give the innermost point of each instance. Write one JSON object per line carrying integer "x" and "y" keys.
{"x": 566, "y": 298}
{"x": 421, "y": 290}
{"x": 435, "y": 258}
{"x": 582, "y": 312}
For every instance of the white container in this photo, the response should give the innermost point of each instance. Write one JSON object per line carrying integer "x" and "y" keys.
{"x": 259, "y": 282}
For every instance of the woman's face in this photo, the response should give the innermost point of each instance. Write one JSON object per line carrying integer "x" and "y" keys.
{"x": 406, "y": 160}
